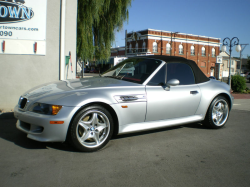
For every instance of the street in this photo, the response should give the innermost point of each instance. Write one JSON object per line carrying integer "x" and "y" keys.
{"x": 189, "y": 155}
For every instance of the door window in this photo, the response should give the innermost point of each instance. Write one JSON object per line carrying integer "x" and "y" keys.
{"x": 159, "y": 78}
{"x": 180, "y": 71}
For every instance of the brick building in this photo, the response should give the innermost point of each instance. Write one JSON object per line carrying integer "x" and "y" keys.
{"x": 201, "y": 49}
{"x": 117, "y": 51}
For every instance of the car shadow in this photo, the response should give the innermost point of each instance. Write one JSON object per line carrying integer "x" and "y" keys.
{"x": 196, "y": 126}
{"x": 190, "y": 125}
{"x": 9, "y": 132}
{"x": 145, "y": 132}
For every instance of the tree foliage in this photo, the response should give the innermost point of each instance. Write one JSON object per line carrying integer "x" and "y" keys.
{"x": 238, "y": 83}
{"x": 97, "y": 22}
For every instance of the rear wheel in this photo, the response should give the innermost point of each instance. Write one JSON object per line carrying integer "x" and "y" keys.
{"x": 91, "y": 129}
{"x": 217, "y": 113}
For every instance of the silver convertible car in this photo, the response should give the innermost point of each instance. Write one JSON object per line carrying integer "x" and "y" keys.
{"x": 138, "y": 94}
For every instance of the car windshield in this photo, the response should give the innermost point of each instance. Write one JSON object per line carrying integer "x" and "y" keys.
{"x": 135, "y": 70}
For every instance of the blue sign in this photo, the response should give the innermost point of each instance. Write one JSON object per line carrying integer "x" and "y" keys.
{"x": 13, "y": 12}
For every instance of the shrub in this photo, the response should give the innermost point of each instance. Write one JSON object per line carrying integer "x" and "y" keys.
{"x": 238, "y": 83}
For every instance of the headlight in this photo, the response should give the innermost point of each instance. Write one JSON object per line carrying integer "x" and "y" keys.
{"x": 45, "y": 109}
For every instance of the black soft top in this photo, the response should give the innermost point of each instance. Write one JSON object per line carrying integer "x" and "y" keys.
{"x": 200, "y": 77}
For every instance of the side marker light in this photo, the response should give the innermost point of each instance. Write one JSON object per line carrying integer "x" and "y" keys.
{"x": 56, "y": 122}
{"x": 124, "y": 106}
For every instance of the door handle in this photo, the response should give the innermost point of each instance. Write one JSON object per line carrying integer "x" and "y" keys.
{"x": 194, "y": 92}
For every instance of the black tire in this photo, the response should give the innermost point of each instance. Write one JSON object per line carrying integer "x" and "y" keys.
{"x": 91, "y": 129}
{"x": 217, "y": 114}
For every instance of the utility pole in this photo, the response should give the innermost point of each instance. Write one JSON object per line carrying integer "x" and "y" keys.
{"x": 161, "y": 42}
{"x": 171, "y": 41}
{"x": 125, "y": 42}
{"x": 243, "y": 46}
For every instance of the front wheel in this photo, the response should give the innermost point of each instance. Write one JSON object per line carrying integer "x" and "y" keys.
{"x": 91, "y": 129}
{"x": 217, "y": 113}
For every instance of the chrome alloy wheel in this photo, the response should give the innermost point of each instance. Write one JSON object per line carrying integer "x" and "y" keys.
{"x": 93, "y": 128}
{"x": 220, "y": 112}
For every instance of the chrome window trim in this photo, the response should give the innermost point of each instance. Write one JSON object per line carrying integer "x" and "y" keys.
{"x": 153, "y": 74}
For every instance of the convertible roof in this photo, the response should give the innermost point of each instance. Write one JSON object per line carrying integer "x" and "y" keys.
{"x": 199, "y": 75}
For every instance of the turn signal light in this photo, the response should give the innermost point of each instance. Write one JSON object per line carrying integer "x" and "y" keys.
{"x": 55, "y": 109}
{"x": 56, "y": 122}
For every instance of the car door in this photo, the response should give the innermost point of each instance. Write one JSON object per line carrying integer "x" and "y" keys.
{"x": 178, "y": 101}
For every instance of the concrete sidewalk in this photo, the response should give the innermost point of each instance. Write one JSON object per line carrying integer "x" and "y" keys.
{"x": 241, "y": 96}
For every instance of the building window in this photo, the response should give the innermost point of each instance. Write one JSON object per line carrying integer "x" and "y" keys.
{"x": 203, "y": 51}
{"x": 155, "y": 47}
{"x": 130, "y": 48}
{"x": 144, "y": 46}
{"x": 180, "y": 49}
{"x": 203, "y": 64}
{"x": 136, "y": 47}
{"x": 168, "y": 48}
{"x": 213, "y": 52}
{"x": 232, "y": 63}
{"x": 192, "y": 50}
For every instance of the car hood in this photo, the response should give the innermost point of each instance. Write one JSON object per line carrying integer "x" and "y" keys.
{"x": 75, "y": 85}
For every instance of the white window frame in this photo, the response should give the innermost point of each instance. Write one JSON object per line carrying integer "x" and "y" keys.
{"x": 155, "y": 47}
{"x": 192, "y": 50}
{"x": 168, "y": 48}
{"x": 203, "y": 51}
{"x": 144, "y": 46}
{"x": 213, "y": 52}
{"x": 181, "y": 49}
{"x": 232, "y": 63}
{"x": 130, "y": 48}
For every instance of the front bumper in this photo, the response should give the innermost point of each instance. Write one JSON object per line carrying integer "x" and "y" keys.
{"x": 38, "y": 127}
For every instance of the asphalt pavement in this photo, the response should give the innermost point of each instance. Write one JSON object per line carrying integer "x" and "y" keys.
{"x": 189, "y": 155}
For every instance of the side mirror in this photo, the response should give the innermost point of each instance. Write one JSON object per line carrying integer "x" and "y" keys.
{"x": 172, "y": 82}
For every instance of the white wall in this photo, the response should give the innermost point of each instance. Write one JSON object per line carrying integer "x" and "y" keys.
{"x": 19, "y": 73}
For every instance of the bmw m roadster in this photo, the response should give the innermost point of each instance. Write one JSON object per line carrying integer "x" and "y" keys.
{"x": 140, "y": 93}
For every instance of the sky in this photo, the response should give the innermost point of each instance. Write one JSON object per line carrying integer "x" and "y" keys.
{"x": 212, "y": 18}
